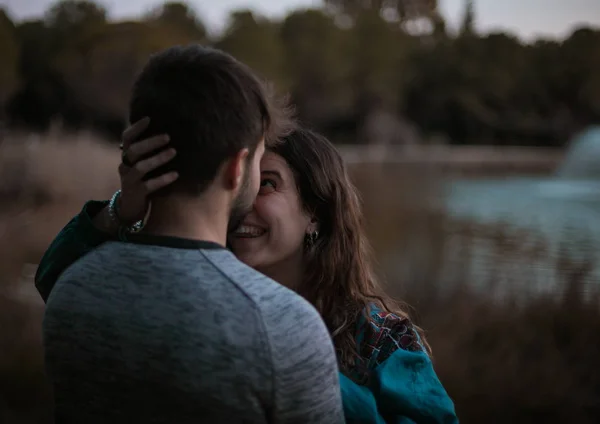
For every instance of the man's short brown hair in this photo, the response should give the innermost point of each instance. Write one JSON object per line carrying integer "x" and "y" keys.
{"x": 211, "y": 106}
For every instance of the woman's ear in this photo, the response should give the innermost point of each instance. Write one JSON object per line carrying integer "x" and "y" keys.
{"x": 313, "y": 226}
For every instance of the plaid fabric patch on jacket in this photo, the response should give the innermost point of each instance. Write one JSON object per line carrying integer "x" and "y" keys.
{"x": 378, "y": 336}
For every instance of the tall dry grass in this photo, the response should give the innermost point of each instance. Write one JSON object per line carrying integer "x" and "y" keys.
{"x": 502, "y": 359}
{"x": 42, "y": 184}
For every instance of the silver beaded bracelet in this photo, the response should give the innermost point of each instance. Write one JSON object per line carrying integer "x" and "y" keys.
{"x": 114, "y": 216}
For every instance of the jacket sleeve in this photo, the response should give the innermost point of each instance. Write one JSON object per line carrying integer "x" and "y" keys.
{"x": 360, "y": 405}
{"x": 407, "y": 387}
{"x": 75, "y": 240}
{"x": 400, "y": 374}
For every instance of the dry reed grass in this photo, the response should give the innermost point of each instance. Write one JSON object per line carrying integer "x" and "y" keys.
{"x": 502, "y": 360}
{"x": 42, "y": 184}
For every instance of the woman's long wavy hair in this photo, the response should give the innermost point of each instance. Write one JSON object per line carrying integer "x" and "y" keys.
{"x": 339, "y": 279}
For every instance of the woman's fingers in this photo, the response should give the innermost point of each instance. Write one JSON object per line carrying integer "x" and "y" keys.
{"x": 153, "y": 162}
{"x": 140, "y": 149}
{"x": 160, "y": 181}
{"x": 134, "y": 131}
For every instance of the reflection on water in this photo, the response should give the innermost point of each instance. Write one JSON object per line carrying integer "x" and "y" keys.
{"x": 559, "y": 215}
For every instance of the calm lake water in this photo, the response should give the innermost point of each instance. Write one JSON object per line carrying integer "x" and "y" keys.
{"x": 560, "y": 213}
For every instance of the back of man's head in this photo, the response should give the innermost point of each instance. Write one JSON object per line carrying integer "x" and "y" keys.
{"x": 211, "y": 106}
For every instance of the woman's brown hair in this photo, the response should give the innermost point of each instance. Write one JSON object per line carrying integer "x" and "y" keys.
{"x": 339, "y": 279}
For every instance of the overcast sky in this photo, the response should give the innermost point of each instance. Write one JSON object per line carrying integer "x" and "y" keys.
{"x": 527, "y": 18}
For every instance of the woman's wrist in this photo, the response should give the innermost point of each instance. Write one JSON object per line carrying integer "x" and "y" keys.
{"x": 104, "y": 223}
{"x": 120, "y": 222}
{"x": 109, "y": 221}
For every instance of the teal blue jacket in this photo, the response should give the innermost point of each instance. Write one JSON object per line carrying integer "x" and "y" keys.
{"x": 394, "y": 382}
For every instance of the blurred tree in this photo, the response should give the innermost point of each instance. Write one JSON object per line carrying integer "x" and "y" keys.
{"x": 316, "y": 63}
{"x": 37, "y": 46}
{"x": 40, "y": 84}
{"x": 379, "y": 51}
{"x": 416, "y": 16}
{"x": 467, "y": 26}
{"x": 67, "y": 17}
{"x": 180, "y": 17}
{"x": 255, "y": 41}
{"x": 9, "y": 51}
{"x": 381, "y": 42}
{"x": 352, "y": 62}
{"x": 100, "y": 66}
{"x": 581, "y": 73}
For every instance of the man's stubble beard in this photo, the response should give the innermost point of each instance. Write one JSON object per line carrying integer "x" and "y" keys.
{"x": 242, "y": 204}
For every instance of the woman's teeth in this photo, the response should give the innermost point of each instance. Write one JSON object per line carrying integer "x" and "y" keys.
{"x": 249, "y": 231}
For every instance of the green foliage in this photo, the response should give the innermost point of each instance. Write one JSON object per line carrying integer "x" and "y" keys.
{"x": 180, "y": 17}
{"x": 100, "y": 66}
{"x": 9, "y": 52}
{"x": 341, "y": 64}
{"x": 69, "y": 17}
{"x": 254, "y": 40}
{"x": 317, "y": 64}
{"x": 398, "y": 10}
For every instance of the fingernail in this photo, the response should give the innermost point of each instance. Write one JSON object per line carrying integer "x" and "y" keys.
{"x": 167, "y": 138}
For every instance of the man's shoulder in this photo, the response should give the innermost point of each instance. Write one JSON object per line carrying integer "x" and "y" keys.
{"x": 275, "y": 302}
{"x": 237, "y": 283}
{"x": 254, "y": 284}
{"x": 131, "y": 259}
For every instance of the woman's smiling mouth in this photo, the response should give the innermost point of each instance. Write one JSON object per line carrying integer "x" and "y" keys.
{"x": 249, "y": 231}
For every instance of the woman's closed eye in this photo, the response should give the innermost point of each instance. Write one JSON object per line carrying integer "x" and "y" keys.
{"x": 267, "y": 185}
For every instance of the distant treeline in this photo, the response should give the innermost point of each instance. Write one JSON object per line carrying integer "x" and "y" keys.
{"x": 354, "y": 72}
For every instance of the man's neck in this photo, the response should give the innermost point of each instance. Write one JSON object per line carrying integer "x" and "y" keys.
{"x": 189, "y": 218}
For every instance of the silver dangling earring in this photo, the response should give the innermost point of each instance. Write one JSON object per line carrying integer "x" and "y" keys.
{"x": 310, "y": 239}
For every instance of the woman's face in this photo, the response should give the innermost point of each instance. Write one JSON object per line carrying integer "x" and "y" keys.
{"x": 273, "y": 233}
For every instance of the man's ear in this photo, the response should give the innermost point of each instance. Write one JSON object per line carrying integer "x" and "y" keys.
{"x": 235, "y": 169}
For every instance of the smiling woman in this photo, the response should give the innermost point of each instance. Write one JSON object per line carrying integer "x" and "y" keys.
{"x": 305, "y": 231}
{"x": 315, "y": 243}
{"x": 272, "y": 236}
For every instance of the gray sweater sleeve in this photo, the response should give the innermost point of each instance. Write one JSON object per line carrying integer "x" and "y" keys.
{"x": 306, "y": 380}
